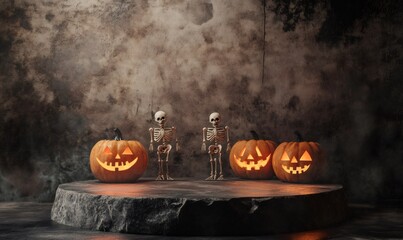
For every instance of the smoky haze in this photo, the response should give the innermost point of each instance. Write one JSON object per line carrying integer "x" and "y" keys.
{"x": 72, "y": 69}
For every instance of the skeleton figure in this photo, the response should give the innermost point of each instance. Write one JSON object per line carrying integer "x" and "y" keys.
{"x": 164, "y": 135}
{"x": 215, "y": 135}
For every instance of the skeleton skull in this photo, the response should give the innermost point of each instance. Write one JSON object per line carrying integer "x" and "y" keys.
{"x": 215, "y": 119}
{"x": 160, "y": 117}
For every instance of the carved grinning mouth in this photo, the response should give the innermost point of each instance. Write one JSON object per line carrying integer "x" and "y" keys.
{"x": 256, "y": 165}
{"x": 296, "y": 170}
{"x": 118, "y": 166}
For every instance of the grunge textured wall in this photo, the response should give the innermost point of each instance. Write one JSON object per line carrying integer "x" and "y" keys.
{"x": 330, "y": 70}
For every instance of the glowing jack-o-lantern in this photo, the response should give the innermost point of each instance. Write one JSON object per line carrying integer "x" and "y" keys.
{"x": 298, "y": 161}
{"x": 118, "y": 160}
{"x": 252, "y": 159}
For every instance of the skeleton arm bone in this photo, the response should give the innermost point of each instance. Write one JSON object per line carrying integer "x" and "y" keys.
{"x": 151, "y": 148}
{"x": 203, "y": 148}
{"x": 228, "y": 143}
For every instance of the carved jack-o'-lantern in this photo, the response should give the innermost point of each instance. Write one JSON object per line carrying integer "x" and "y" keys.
{"x": 298, "y": 161}
{"x": 252, "y": 159}
{"x": 118, "y": 160}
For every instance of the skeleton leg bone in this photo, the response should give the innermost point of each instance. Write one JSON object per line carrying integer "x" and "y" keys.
{"x": 211, "y": 177}
{"x": 215, "y": 168}
{"x": 160, "y": 176}
{"x": 211, "y": 152}
{"x": 167, "y": 151}
{"x": 221, "y": 176}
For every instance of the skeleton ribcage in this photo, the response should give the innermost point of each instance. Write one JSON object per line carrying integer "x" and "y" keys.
{"x": 164, "y": 134}
{"x": 215, "y": 134}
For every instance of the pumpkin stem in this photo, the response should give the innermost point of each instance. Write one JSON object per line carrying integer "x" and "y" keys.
{"x": 254, "y": 135}
{"x": 118, "y": 134}
{"x": 299, "y": 136}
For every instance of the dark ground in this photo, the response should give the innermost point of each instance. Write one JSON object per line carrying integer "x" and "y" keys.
{"x": 27, "y": 220}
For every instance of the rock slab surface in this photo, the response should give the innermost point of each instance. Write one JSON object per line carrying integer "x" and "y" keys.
{"x": 232, "y": 207}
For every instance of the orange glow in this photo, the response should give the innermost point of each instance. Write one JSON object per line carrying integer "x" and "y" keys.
{"x": 127, "y": 151}
{"x": 258, "y": 152}
{"x": 243, "y": 152}
{"x": 251, "y": 164}
{"x": 115, "y": 167}
{"x": 306, "y": 157}
{"x": 314, "y": 235}
{"x": 107, "y": 151}
{"x": 285, "y": 157}
{"x": 296, "y": 169}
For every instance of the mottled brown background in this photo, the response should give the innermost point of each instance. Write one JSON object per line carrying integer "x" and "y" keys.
{"x": 329, "y": 69}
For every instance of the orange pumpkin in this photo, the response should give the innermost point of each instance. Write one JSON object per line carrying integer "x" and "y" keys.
{"x": 252, "y": 159}
{"x": 118, "y": 160}
{"x": 298, "y": 162}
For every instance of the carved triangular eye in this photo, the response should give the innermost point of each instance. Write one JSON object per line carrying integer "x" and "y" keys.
{"x": 285, "y": 157}
{"x": 306, "y": 157}
{"x": 107, "y": 150}
{"x": 127, "y": 151}
{"x": 258, "y": 152}
{"x": 243, "y": 151}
